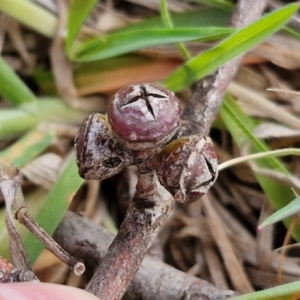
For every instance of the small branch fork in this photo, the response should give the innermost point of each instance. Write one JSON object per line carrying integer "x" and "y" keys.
{"x": 10, "y": 185}
{"x": 24, "y": 217}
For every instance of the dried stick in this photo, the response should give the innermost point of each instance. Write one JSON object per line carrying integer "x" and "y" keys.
{"x": 10, "y": 185}
{"x": 163, "y": 282}
{"x": 204, "y": 104}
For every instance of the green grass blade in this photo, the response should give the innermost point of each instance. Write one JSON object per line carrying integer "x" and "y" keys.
{"x": 289, "y": 291}
{"x": 125, "y": 42}
{"x": 13, "y": 89}
{"x": 55, "y": 206}
{"x": 27, "y": 148}
{"x": 169, "y": 24}
{"x": 285, "y": 212}
{"x": 205, "y": 17}
{"x": 165, "y": 14}
{"x": 241, "y": 41}
{"x": 78, "y": 12}
{"x": 17, "y": 121}
{"x": 241, "y": 127}
{"x": 31, "y": 15}
{"x": 223, "y": 4}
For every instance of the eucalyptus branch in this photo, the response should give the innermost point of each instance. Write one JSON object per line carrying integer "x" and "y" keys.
{"x": 141, "y": 121}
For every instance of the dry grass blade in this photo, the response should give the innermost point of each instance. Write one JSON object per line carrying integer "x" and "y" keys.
{"x": 43, "y": 170}
{"x": 234, "y": 268}
{"x": 286, "y": 49}
{"x": 214, "y": 264}
{"x": 61, "y": 66}
{"x": 288, "y": 180}
{"x": 15, "y": 34}
{"x": 250, "y": 157}
{"x": 91, "y": 197}
{"x": 282, "y": 88}
{"x": 273, "y": 130}
{"x": 273, "y": 111}
{"x": 264, "y": 241}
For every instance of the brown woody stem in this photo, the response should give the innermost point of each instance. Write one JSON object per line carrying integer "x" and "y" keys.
{"x": 143, "y": 219}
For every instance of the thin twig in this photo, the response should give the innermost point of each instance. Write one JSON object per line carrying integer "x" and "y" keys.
{"x": 246, "y": 158}
{"x": 23, "y": 217}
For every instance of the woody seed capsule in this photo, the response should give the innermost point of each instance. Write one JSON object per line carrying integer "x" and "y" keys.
{"x": 187, "y": 167}
{"x": 144, "y": 116}
{"x": 98, "y": 154}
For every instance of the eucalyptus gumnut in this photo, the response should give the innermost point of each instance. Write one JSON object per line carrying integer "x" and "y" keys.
{"x": 144, "y": 116}
{"x": 187, "y": 167}
{"x": 98, "y": 154}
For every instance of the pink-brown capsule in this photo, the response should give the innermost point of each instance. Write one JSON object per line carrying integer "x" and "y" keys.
{"x": 144, "y": 116}
{"x": 98, "y": 154}
{"x": 187, "y": 167}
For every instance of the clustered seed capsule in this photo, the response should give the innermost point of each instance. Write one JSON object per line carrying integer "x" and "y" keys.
{"x": 187, "y": 167}
{"x": 145, "y": 117}
{"x": 98, "y": 154}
